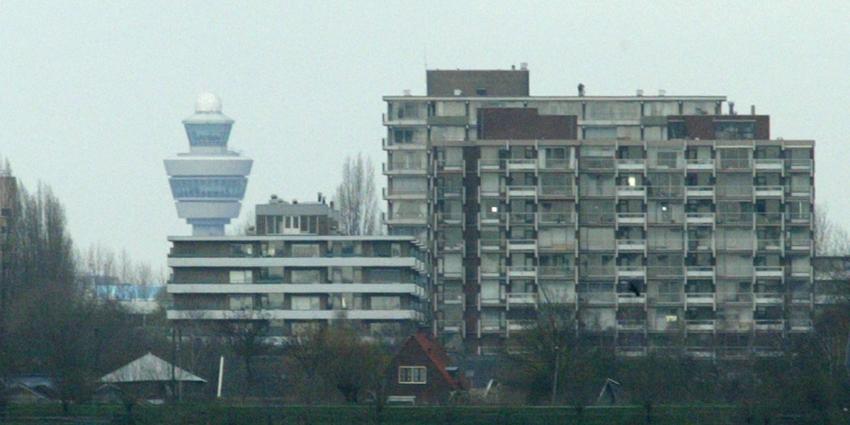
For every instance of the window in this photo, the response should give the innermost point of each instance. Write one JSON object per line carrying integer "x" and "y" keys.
{"x": 481, "y": 91}
{"x": 208, "y": 187}
{"x": 300, "y": 302}
{"x": 241, "y": 276}
{"x": 385, "y": 303}
{"x": 412, "y": 375}
{"x": 305, "y": 250}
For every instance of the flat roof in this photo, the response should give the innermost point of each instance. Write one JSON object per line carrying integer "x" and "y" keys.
{"x": 633, "y": 98}
{"x": 318, "y": 238}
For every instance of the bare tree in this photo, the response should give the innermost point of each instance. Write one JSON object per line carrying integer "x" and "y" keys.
{"x": 356, "y": 197}
{"x": 246, "y": 337}
{"x": 830, "y": 237}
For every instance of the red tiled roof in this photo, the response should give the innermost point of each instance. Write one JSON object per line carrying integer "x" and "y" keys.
{"x": 438, "y": 356}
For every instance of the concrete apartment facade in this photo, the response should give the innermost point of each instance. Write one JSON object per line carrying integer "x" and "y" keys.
{"x": 297, "y": 273}
{"x": 658, "y": 219}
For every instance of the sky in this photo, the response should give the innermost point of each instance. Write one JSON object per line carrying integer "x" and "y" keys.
{"x": 92, "y": 92}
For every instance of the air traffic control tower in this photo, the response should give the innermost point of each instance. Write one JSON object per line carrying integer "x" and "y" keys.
{"x": 208, "y": 183}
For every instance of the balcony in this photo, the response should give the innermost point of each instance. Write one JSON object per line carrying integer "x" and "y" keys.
{"x": 800, "y": 325}
{"x": 699, "y": 298}
{"x": 597, "y": 272}
{"x": 448, "y": 192}
{"x": 631, "y": 272}
{"x": 444, "y": 166}
{"x": 491, "y": 302}
{"x": 769, "y": 324}
{"x": 444, "y": 245}
{"x": 412, "y": 145}
{"x": 631, "y": 325}
{"x": 672, "y": 191}
{"x": 665, "y": 272}
{"x": 700, "y": 218}
{"x": 400, "y": 120}
{"x": 700, "y": 352}
{"x": 449, "y": 219}
{"x": 522, "y": 245}
{"x": 800, "y": 192}
{"x": 769, "y": 245}
{"x": 522, "y": 272}
{"x": 631, "y": 191}
{"x": 556, "y": 191}
{"x": 607, "y": 298}
{"x": 490, "y": 245}
{"x": 403, "y": 169}
{"x": 552, "y": 164}
{"x": 700, "y": 272}
{"x": 631, "y": 219}
{"x": 735, "y": 164}
{"x": 803, "y": 273}
{"x": 705, "y": 245}
{"x": 800, "y": 164}
{"x": 772, "y": 164}
{"x": 451, "y": 298}
{"x": 700, "y": 164}
{"x": 629, "y": 298}
{"x": 628, "y": 164}
{"x": 412, "y": 219}
{"x": 735, "y": 297}
{"x": 598, "y": 164}
{"x": 631, "y": 245}
{"x": 491, "y": 165}
{"x": 518, "y": 326}
{"x": 555, "y": 272}
{"x": 451, "y": 326}
{"x": 486, "y": 218}
{"x": 769, "y": 191}
{"x": 735, "y": 219}
{"x": 769, "y": 219}
{"x": 769, "y": 271}
{"x": 522, "y": 219}
{"x": 490, "y": 327}
{"x": 522, "y": 164}
{"x": 768, "y": 298}
{"x": 800, "y": 245}
{"x": 699, "y": 191}
{"x": 660, "y": 298}
{"x": 399, "y": 194}
{"x": 555, "y": 218}
{"x": 521, "y": 299}
{"x": 522, "y": 191}
{"x": 800, "y": 218}
{"x": 700, "y": 325}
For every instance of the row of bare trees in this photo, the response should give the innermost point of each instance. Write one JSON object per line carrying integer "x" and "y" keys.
{"x": 48, "y": 324}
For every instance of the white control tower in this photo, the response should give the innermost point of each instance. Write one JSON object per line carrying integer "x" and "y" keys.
{"x": 208, "y": 183}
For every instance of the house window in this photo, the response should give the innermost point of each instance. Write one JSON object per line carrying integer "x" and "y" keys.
{"x": 411, "y": 375}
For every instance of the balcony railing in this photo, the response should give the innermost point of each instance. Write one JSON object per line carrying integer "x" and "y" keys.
{"x": 518, "y": 191}
{"x": 800, "y": 164}
{"x": 700, "y": 271}
{"x": 522, "y": 271}
{"x": 491, "y": 244}
{"x": 768, "y": 298}
{"x": 631, "y": 324}
{"x": 452, "y": 326}
{"x": 769, "y": 271}
{"x": 735, "y": 218}
{"x": 769, "y": 324}
{"x": 555, "y": 271}
{"x": 699, "y": 191}
{"x": 774, "y": 218}
{"x": 556, "y": 218}
{"x": 518, "y": 326}
{"x": 700, "y": 245}
{"x": 593, "y": 163}
{"x": 768, "y": 163}
{"x": 631, "y": 245}
{"x": 597, "y": 272}
{"x": 769, "y": 244}
{"x": 522, "y": 218}
{"x": 701, "y": 164}
{"x": 631, "y": 272}
{"x": 661, "y": 272}
{"x": 491, "y": 165}
{"x": 555, "y": 164}
{"x": 522, "y": 164}
{"x": 631, "y": 191}
{"x": 556, "y": 190}
{"x": 665, "y": 297}
{"x": 735, "y": 297}
{"x": 769, "y": 191}
{"x": 635, "y": 164}
{"x": 597, "y": 219}
{"x": 735, "y": 164}
{"x": 522, "y": 298}
{"x": 700, "y": 324}
{"x": 631, "y": 218}
{"x": 666, "y": 191}
{"x": 699, "y": 298}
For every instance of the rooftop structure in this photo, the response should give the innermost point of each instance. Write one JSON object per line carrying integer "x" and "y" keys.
{"x": 208, "y": 183}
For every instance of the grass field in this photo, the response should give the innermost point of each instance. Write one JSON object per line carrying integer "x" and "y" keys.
{"x": 223, "y": 414}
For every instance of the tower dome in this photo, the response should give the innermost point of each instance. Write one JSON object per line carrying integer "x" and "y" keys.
{"x": 207, "y": 102}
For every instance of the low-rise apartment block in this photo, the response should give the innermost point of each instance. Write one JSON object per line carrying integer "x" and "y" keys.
{"x": 296, "y": 273}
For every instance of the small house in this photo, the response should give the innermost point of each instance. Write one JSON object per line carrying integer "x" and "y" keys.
{"x": 422, "y": 373}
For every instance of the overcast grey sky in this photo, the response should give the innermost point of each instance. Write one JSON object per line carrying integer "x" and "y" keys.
{"x": 92, "y": 93}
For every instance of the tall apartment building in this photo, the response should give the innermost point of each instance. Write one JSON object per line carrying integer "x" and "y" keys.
{"x": 659, "y": 219}
{"x": 297, "y": 273}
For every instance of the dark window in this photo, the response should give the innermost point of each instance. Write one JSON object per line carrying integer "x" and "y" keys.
{"x": 677, "y": 130}
{"x": 481, "y": 92}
